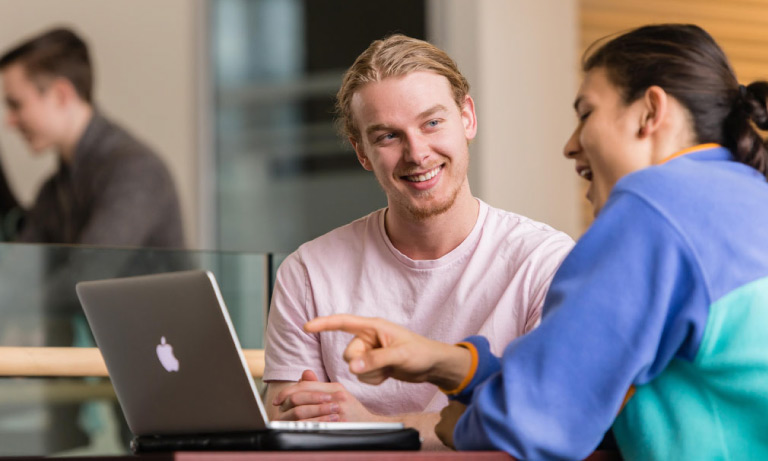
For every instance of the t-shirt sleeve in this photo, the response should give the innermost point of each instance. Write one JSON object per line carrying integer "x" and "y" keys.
{"x": 550, "y": 254}
{"x": 289, "y": 350}
{"x": 626, "y": 300}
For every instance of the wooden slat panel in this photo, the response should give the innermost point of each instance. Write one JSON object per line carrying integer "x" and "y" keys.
{"x": 739, "y": 26}
{"x": 722, "y": 11}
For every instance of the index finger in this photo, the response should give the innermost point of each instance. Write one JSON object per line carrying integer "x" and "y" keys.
{"x": 345, "y": 322}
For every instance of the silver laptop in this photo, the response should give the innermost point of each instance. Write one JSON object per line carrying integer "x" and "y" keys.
{"x": 174, "y": 358}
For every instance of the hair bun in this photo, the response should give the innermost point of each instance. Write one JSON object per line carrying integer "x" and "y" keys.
{"x": 753, "y": 100}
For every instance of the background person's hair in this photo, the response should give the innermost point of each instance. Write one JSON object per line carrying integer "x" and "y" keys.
{"x": 394, "y": 56}
{"x": 57, "y": 53}
{"x": 687, "y": 63}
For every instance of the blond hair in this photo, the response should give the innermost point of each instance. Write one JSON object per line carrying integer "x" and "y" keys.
{"x": 394, "y": 56}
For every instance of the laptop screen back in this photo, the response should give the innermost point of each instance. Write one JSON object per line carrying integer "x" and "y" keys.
{"x": 172, "y": 354}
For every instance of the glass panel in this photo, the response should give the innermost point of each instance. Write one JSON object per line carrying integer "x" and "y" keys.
{"x": 283, "y": 174}
{"x": 39, "y": 307}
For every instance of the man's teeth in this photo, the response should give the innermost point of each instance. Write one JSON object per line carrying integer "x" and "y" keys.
{"x": 585, "y": 173}
{"x": 423, "y": 177}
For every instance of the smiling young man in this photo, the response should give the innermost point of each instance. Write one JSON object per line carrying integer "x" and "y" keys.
{"x": 110, "y": 188}
{"x": 436, "y": 259}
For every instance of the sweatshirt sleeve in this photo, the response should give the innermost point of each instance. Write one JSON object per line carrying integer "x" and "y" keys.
{"x": 622, "y": 305}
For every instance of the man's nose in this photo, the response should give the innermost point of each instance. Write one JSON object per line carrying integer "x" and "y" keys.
{"x": 416, "y": 149}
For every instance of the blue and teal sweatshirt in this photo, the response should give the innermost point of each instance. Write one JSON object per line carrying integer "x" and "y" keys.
{"x": 656, "y": 324}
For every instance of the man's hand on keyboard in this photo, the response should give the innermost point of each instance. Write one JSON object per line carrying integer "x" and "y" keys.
{"x": 312, "y": 400}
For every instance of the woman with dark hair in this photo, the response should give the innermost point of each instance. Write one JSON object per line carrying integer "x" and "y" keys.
{"x": 656, "y": 324}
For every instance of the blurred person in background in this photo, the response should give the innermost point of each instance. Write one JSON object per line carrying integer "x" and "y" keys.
{"x": 110, "y": 188}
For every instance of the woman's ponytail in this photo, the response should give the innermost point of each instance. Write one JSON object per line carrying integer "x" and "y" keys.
{"x": 740, "y": 135}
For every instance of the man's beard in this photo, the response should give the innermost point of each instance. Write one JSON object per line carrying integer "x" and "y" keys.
{"x": 422, "y": 213}
{"x": 432, "y": 209}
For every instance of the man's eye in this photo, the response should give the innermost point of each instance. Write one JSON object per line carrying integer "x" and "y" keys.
{"x": 386, "y": 137}
{"x": 433, "y": 123}
{"x": 584, "y": 116}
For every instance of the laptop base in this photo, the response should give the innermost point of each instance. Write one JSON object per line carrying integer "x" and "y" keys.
{"x": 278, "y": 440}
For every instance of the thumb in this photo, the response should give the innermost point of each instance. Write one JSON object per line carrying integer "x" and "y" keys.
{"x": 308, "y": 375}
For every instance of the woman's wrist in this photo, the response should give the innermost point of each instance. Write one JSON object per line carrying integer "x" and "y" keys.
{"x": 452, "y": 368}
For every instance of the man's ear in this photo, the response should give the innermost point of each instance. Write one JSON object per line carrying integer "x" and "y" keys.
{"x": 361, "y": 157}
{"x": 469, "y": 118}
{"x": 63, "y": 91}
{"x": 655, "y": 107}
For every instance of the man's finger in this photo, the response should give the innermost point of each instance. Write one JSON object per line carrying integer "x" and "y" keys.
{"x": 305, "y": 386}
{"x": 308, "y": 375}
{"x": 305, "y": 412}
{"x": 305, "y": 398}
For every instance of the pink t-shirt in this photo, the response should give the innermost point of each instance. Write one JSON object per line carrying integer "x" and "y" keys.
{"x": 492, "y": 284}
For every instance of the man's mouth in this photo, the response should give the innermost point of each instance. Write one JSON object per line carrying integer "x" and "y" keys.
{"x": 421, "y": 177}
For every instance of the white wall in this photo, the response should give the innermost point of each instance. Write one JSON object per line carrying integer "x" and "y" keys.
{"x": 144, "y": 56}
{"x": 521, "y": 60}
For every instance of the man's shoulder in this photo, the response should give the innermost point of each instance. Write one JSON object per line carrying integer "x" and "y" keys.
{"x": 107, "y": 141}
{"x": 110, "y": 153}
{"x": 521, "y": 229}
{"x": 524, "y": 246}
{"x": 342, "y": 241}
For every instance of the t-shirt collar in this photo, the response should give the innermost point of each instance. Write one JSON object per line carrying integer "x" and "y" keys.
{"x": 466, "y": 247}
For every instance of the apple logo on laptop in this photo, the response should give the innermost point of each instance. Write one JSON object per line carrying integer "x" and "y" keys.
{"x": 165, "y": 354}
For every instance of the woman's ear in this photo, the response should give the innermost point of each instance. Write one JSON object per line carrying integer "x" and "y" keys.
{"x": 655, "y": 111}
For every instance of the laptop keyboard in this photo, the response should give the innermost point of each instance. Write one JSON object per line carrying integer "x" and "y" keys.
{"x": 325, "y": 426}
{"x": 297, "y": 425}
